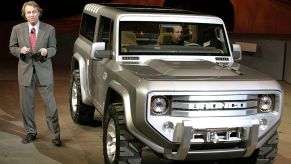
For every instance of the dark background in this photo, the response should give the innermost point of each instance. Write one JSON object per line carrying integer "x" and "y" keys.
{"x": 242, "y": 18}
{"x": 56, "y": 9}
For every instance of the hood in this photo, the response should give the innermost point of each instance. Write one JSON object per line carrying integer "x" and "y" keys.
{"x": 189, "y": 68}
{"x": 193, "y": 70}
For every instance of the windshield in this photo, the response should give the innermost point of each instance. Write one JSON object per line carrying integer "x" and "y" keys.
{"x": 152, "y": 38}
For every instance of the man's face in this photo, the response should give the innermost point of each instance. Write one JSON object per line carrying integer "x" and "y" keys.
{"x": 31, "y": 14}
{"x": 177, "y": 33}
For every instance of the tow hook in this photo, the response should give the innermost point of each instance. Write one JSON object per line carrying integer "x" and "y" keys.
{"x": 214, "y": 137}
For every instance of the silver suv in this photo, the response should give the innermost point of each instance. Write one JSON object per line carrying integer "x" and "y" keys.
{"x": 191, "y": 101}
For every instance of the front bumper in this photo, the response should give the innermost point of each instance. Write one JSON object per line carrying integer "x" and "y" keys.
{"x": 184, "y": 134}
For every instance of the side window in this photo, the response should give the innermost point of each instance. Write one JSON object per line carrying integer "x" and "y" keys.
{"x": 88, "y": 26}
{"x": 105, "y": 31}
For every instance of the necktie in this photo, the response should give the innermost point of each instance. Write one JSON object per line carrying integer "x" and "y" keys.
{"x": 32, "y": 39}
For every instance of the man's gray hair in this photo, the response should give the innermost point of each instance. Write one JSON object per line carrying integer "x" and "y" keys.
{"x": 30, "y": 3}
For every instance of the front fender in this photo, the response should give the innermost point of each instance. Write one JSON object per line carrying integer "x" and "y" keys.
{"x": 83, "y": 80}
{"x": 123, "y": 92}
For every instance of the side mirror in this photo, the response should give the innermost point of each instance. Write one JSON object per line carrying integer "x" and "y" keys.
{"x": 236, "y": 52}
{"x": 98, "y": 51}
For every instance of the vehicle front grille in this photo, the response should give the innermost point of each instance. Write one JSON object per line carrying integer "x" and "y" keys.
{"x": 218, "y": 105}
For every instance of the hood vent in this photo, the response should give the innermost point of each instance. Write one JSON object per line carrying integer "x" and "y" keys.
{"x": 221, "y": 59}
{"x": 130, "y": 58}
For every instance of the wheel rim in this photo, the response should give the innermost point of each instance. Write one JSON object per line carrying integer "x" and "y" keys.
{"x": 74, "y": 98}
{"x": 111, "y": 141}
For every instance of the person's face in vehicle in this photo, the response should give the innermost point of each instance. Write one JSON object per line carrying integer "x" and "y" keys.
{"x": 177, "y": 34}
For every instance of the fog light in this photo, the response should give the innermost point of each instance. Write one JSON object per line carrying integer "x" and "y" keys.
{"x": 263, "y": 124}
{"x": 168, "y": 127}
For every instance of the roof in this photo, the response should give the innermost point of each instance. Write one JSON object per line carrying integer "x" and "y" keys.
{"x": 145, "y": 8}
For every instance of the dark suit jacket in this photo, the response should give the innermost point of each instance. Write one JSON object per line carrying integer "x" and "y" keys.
{"x": 45, "y": 39}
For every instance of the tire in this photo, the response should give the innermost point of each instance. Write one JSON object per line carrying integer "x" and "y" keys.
{"x": 265, "y": 154}
{"x": 119, "y": 146}
{"x": 81, "y": 113}
{"x": 268, "y": 151}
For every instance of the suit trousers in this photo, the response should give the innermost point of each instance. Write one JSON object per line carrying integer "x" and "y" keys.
{"x": 27, "y": 105}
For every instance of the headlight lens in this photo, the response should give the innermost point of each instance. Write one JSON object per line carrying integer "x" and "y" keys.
{"x": 159, "y": 105}
{"x": 266, "y": 103}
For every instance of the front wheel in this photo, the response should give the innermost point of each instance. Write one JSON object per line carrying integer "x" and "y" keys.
{"x": 265, "y": 154}
{"x": 269, "y": 150}
{"x": 81, "y": 113}
{"x": 119, "y": 146}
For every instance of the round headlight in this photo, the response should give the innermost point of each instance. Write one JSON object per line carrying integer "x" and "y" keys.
{"x": 266, "y": 103}
{"x": 159, "y": 105}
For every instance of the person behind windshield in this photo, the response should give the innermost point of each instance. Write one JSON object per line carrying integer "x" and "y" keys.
{"x": 177, "y": 36}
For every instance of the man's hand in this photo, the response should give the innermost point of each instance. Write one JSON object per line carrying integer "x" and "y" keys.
{"x": 24, "y": 50}
{"x": 43, "y": 51}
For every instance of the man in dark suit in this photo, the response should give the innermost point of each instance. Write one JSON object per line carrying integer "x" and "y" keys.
{"x": 34, "y": 43}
